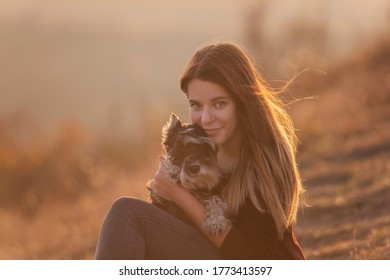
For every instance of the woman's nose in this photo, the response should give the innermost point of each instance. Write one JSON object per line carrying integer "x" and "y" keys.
{"x": 207, "y": 116}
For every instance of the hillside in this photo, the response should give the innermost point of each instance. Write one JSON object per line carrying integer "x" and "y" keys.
{"x": 344, "y": 159}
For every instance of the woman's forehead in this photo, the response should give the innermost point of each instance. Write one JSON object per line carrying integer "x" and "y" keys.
{"x": 200, "y": 90}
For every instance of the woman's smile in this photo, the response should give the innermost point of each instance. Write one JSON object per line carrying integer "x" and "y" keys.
{"x": 212, "y": 131}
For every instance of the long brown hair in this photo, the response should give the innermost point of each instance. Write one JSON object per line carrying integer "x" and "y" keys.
{"x": 266, "y": 171}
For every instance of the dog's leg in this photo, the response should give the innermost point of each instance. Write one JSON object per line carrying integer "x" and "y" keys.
{"x": 215, "y": 220}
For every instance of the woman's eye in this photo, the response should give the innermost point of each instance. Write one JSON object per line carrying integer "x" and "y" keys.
{"x": 195, "y": 106}
{"x": 220, "y": 104}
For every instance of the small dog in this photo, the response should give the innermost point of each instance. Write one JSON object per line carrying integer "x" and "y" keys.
{"x": 190, "y": 159}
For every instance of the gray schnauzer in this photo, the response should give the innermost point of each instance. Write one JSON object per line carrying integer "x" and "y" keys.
{"x": 190, "y": 158}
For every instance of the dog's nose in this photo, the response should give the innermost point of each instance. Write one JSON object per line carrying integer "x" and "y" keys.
{"x": 193, "y": 168}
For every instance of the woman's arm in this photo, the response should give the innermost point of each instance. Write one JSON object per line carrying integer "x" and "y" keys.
{"x": 169, "y": 190}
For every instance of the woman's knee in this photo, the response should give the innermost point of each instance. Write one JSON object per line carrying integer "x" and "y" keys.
{"x": 128, "y": 205}
{"x": 123, "y": 203}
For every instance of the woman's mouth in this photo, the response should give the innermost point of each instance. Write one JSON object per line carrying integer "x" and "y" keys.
{"x": 212, "y": 131}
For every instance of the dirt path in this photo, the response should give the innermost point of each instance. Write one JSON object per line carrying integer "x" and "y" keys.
{"x": 345, "y": 161}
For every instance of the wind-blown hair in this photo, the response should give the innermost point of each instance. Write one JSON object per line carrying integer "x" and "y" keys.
{"x": 266, "y": 171}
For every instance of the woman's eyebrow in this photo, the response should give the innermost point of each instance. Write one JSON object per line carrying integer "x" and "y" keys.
{"x": 214, "y": 99}
{"x": 219, "y": 98}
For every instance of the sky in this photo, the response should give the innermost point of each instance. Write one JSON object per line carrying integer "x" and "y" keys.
{"x": 105, "y": 62}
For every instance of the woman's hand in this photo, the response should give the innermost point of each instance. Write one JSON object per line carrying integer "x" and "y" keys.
{"x": 163, "y": 186}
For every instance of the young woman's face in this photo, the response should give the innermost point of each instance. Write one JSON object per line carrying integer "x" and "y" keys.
{"x": 214, "y": 110}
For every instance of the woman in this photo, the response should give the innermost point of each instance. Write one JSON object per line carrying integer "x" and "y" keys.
{"x": 257, "y": 147}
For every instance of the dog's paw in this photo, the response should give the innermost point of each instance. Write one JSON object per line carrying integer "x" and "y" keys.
{"x": 215, "y": 221}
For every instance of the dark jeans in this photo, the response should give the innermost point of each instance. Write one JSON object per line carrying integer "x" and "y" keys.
{"x": 135, "y": 229}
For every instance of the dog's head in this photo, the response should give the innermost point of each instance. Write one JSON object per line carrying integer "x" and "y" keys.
{"x": 190, "y": 156}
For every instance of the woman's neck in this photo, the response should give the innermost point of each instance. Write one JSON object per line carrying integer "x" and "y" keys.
{"x": 228, "y": 154}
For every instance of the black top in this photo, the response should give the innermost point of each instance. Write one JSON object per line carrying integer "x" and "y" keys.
{"x": 254, "y": 236}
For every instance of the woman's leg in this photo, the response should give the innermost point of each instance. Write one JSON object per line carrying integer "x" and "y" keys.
{"x": 135, "y": 229}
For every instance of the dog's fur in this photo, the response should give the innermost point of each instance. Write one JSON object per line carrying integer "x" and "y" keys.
{"x": 190, "y": 159}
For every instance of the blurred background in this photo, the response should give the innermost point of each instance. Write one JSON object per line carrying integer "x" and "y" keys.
{"x": 85, "y": 87}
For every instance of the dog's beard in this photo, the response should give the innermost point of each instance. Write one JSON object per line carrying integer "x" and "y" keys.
{"x": 206, "y": 178}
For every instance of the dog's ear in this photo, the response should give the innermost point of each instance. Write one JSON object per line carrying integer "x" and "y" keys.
{"x": 170, "y": 131}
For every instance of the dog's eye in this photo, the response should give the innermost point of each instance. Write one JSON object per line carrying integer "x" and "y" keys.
{"x": 209, "y": 149}
{"x": 191, "y": 146}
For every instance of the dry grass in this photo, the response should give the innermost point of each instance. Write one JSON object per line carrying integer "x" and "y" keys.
{"x": 56, "y": 187}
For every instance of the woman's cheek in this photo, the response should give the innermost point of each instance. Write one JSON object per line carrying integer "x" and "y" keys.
{"x": 195, "y": 117}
